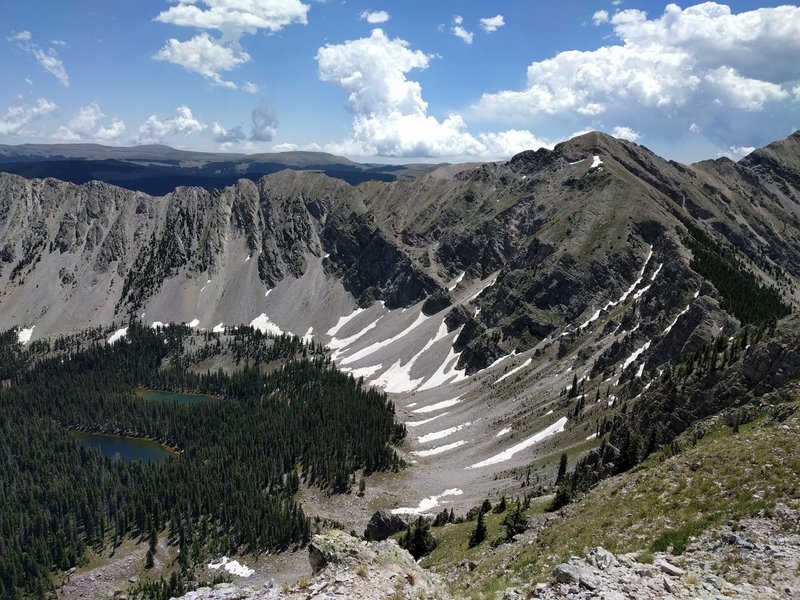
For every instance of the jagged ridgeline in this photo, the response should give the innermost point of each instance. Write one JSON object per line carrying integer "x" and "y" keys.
{"x": 242, "y": 454}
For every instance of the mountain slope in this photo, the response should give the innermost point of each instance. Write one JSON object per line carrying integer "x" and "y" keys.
{"x": 512, "y": 307}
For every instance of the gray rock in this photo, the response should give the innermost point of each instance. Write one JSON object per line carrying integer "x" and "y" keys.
{"x": 601, "y": 558}
{"x": 589, "y": 581}
{"x": 567, "y": 573}
{"x": 670, "y": 585}
{"x": 737, "y": 540}
{"x": 383, "y": 524}
{"x": 669, "y": 568}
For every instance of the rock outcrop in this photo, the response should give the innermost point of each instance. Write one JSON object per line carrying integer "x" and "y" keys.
{"x": 346, "y": 567}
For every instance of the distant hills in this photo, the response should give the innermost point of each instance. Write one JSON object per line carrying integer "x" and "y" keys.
{"x": 158, "y": 169}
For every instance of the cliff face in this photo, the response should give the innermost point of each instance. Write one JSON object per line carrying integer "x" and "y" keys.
{"x": 525, "y": 249}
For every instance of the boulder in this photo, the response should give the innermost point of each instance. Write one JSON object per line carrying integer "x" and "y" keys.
{"x": 383, "y": 524}
{"x": 567, "y": 573}
{"x": 332, "y": 548}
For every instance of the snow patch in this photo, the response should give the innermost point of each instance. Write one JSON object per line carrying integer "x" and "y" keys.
{"x": 234, "y": 567}
{"x": 591, "y": 437}
{"x": 427, "y": 504}
{"x": 372, "y": 348}
{"x": 397, "y": 379}
{"x": 117, "y": 335}
{"x": 635, "y": 355}
{"x": 456, "y": 282}
{"x": 218, "y": 328}
{"x": 308, "y": 337}
{"x": 437, "y": 435}
{"x": 490, "y": 282}
{"x": 156, "y": 325}
{"x": 515, "y": 370}
{"x": 194, "y": 323}
{"x": 423, "y": 421}
{"x": 438, "y": 406}
{"x": 344, "y": 321}
{"x": 553, "y": 429}
{"x": 504, "y": 431}
{"x": 363, "y": 371}
{"x": 596, "y": 162}
{"x": 24, "y": 335}
{"x": 264, "y": 325}
{"x": 439, "y": 449}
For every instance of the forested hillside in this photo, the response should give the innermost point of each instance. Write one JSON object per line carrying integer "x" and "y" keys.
{"x": 230, "y": 486}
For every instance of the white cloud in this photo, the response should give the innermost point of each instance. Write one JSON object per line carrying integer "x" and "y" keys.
{"x": 226, "y": 137}
{"x": 505, "y": 144}
{"x": 702, "y": 65}
{"x": 86, "y": 125}
{"x": 736, "y": 152}
{"x": 250, "y": 87}
{"x": 285, "y": 147}
{"x": 21, "y": 36}
{"x": 235, "y": 17}
{"x": 375, "y": 17}
{"x": 264, "y": 124}
{"x": 48, "y": 59}
{"x": 626, "y": 133}
{"x": 154, "y": 130}
{"x": 492, "y": 24}
{"x": 600, "y": 17}
{"x": 390, "y": 115}
{"x": 459, "y": 31}
{"x": 232, "y": 18}
{"x": 21, "y": 114}
{"x": 205, "y": 56}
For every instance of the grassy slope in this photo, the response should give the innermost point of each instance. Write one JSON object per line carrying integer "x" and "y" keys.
{"x": 657, "y": 506}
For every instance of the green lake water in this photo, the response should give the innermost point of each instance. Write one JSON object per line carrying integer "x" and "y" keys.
{"x": 125, "y": 448}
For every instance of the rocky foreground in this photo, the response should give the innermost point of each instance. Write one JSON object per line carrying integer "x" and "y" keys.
{"x": 756, "y": 558}
{"x": 346, "y": 567}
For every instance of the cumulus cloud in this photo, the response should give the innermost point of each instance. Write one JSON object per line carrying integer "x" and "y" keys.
{"x": 375, "y": 16}
{"x": 231, "y": 18}
{"x": 459, "y": 31}
{"x": 48, "y": 59}
{"x": 600, "y": 17}
{"x": 87, "y": 125}
{"x": 264, "y": 124}
{"x": 20, "y": 114}
{"x": 390, "y": 115}
{"x": 703, "y": 65}
{"x": 226, "y": 137}
{"x": 625, "y": 133}
{"x": 205, "y": 56}
{"x": 492, "y": 24}
{"x": 250, "y": 87}
{"x": 235, "y": 17}
{"x": 154, "y": 129}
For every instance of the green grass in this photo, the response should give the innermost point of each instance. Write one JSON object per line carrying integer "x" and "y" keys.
{"x": 657, "y": 507}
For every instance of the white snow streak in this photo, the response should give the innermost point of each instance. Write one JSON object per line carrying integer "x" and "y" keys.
{"x": 456, "y": 282}
{"x": 438, "y": 406}
{"x": 424, "y": 421}
{"x": 218, "y": 328}
{"x": 397, "y": 379}
{"x": 515, "y": 370}
{"x": 421, "y": 318}
{"x": 490, "y": 282}
{"x": 504, "y": 431}
{"x": 194, "y": 323}
{"x": 596, "y": 162}
{"x": 635, "y": 355}
{"x": 117, "y": 335}
{"x": 553, "y": 429}
{"x": 437, "y": 435}
{"x": 343, "y": 321}
{"x": 439, "y": 449}
{"x": 156, "y": 325}
{"x": 308, "y": 336}
{"x": 427, "y": 504}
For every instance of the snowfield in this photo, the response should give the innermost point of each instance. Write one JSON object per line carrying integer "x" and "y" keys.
{"x": 427, "y": 504}
{"x": 553, "y": 429}
{"x": 234, "y": 567}
{"x": 117, "y": 335}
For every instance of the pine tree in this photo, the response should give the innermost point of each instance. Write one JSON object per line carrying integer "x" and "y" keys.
{"x": 479, "y": 533}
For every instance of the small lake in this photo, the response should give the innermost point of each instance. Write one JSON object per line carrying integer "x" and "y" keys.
{"x": 158, "y": 396}
{"x": 125, "y": 448}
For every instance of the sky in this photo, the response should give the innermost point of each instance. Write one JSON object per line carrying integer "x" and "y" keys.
{"x": 400, "y": 80}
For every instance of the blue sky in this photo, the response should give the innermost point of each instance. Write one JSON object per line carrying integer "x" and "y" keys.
{"x": 399, "y": 80}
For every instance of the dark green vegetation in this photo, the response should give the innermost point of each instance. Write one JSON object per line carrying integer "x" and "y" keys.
{"x": 241, "y": 461}
{"x": 169, "y": 397}
{"x": 742, "y": 294}
{"x": 417, "y": 538}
